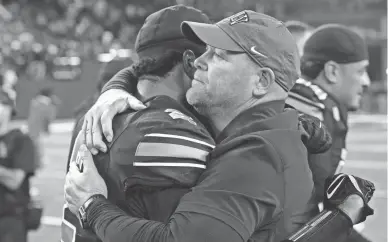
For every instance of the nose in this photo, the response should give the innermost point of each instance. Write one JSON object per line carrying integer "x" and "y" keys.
{"x": 200, "y": 63}
{"x": 365, "y": 81}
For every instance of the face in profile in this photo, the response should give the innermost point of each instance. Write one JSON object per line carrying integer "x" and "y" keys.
{"x": 222, "y": 81}
{"x": 354, "y": 81}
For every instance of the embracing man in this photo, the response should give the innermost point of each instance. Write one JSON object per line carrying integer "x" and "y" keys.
{"x": 257, "y": 181}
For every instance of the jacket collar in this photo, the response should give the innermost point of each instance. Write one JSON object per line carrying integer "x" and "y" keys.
{"x": 260, "y": 117}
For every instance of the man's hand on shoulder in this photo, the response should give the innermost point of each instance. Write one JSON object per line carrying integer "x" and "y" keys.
{"x": 98, "y": 120}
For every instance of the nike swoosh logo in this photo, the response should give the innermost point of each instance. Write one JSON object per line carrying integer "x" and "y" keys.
{"x": 329, "y": 195}
{"x": 253, "y": 49}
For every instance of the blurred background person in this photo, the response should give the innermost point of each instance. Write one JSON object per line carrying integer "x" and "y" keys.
{"x": 334, "y": 70}
{"x": 17, "y": 166}
{"x": 42, "y": 112}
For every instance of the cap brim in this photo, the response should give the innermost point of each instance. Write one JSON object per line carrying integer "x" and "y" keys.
{"x": 209, "y": 34}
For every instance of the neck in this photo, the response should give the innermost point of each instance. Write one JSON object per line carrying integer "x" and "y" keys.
{"x": 326, "y": 86}
{"x": 153, "y": 86}
{"x": 220, "y": 117}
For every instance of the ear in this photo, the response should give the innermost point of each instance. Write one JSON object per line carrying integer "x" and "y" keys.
{"x": 188, "y": 63}
{"x": 331, "y": 71}
{"x": 263, "y": 81}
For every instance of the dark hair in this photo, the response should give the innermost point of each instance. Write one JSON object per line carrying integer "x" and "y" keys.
{"x": 157, "y": 66}
{"x": 311, "y": 69}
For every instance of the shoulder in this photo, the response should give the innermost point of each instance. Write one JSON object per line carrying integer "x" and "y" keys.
{"x": 308, "y": 98}
{"x": 240, "y": 187}
{"x": 163, "y": 115}
{"x": 248, "y": 154}
{"x": 164, "y": 127}
{"x": 169, "y": 110}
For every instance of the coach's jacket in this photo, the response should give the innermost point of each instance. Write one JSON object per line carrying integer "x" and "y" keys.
{"x": 312, "y": 99}
{"x": 256, "y": 185}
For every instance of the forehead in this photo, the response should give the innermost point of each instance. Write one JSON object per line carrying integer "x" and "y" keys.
{"x": 356, "y": 65}
{"x": 233, "y": 56}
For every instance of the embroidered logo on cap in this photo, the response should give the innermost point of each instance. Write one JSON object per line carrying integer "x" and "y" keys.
{"x": 241, "y": 17}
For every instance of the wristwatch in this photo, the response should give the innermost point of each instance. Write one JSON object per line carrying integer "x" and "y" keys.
{"x": 82, "y": 210}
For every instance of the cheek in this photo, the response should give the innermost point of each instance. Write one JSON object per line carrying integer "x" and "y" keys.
{"x": 355, "y": 84}
{"x": 352, "y": 88}
{"x": 219, "y": 84}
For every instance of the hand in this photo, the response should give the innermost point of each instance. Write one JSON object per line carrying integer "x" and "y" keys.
{"x": 345, "y": 191}
{"x": 316, "y": 138}
{"x": 353, "y": 207}
{"x": 98, "y": 120}
{"x": 79, "y": 187}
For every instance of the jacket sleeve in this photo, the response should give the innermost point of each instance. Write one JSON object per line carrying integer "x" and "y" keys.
{"x": 321, "y": 168}
{"x": 237, "y": 195}
{"x": 325, "y": 164}
{"x": 123, "y": 80}
{"x": 322, "y": 165}
{"x": 333, "y": 225}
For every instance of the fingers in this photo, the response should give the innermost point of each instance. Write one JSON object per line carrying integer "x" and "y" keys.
{"x": 73, "y": 173}
{"x": 98, "y": 120}
{"x": 79, "y": 140}
{"x": 135, "y": 104}
{"x": 106, "y": 123}
{"x": 69, "y": 196}
{"x": 119, "y": 106}
{"x": 86, "y": 158}
{"x": 96, "y": 136}
{"x": 84, "y": 126}
{"x": 87, "y": 130}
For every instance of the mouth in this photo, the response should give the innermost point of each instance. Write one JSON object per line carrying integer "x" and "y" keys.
{"x": 197, "y": 80}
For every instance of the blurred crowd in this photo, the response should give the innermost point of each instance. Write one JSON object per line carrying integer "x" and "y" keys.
{"x": 40, "y": 38}
{"x": 51, "y": 40}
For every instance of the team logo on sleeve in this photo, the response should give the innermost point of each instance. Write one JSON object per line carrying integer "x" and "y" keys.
{"x": 241, "y": 17}
{"x": 175, "y": 114}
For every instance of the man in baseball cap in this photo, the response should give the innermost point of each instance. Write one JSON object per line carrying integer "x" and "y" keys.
{"x": 334, "y": 69}
{"x": 264, "y": 39}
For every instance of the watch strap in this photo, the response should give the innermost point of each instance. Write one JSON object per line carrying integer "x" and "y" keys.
{"x": 83, "y": 209}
